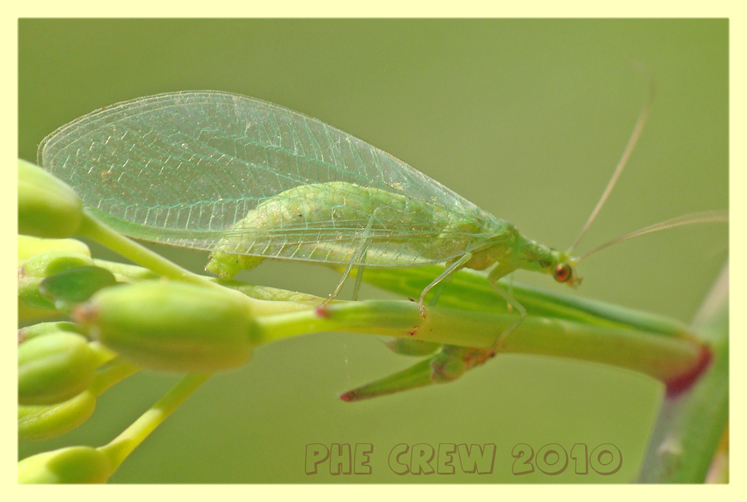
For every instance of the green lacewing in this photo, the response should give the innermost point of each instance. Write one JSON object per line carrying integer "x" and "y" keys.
{"x": 248, "y": 180}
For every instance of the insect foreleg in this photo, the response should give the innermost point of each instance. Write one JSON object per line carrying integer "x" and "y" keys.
{"x": 359, "y": 275}
{"x": 453, "y": 267}
{"x": 493, "y": 281}
{"x": 440, "y": 289}
{"x": 358, "y": 257}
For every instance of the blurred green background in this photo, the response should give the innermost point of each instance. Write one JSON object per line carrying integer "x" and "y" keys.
{"x": 525, "y": 118}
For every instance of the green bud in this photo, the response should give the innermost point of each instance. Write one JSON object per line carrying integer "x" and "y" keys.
{"x": 75, "y": 285}
{"x": 408, "y": 347}
{"x": 42, "y": 266}
{"x": 37, "y": 423}
{"x": 418, "y": 375}
{"x": 31, "y": 246}
{"x": 28, "y": 314}
{"x": 47, "y": 328}
{"x": 171, "y": 325}
{"x": 53, "y": 262}
{"x": 54, "y": 368}
{"x": 75, "y": 464}
{"x": 446, "y": 368}
{"x": 47, "y": 207}
{"x": 30, "y": 296}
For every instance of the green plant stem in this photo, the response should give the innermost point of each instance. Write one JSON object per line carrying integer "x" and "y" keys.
{"x": 661, "y": 357}
{"x": 469, "y": 290}
{"x": 690, "y": 427}
{"x": 603, "y": 334}
{"x": 131, "y": 272}
{"x": 121, "y": 446}
{"x": 101, "y": 233}
{"x": 118, "y": 370}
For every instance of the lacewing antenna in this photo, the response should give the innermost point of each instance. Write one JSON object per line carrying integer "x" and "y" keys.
{"x": 686, "y": 219}
{"x": 622, "y": 162}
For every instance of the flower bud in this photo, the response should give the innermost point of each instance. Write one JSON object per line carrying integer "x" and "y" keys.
{"x": 31, "y": 246}
{"x": 446, "y": 368}
{"x": 28, "y": 314}
{"x": 53, "y": 262}
{"x": 171, "y": 325}
{"x": 47, "y": 207}
{"x": 418, "y": 375}
{"x": 54, "y": 368}
{"x": 37, "y": 423}
{"x": 75, "y": 285}
{"x": 47, "y": 328}
{"x": 41, "y": 266}
{"x": 75, "y": 464}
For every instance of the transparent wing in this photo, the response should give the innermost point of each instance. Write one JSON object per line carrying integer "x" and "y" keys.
{"x": 185, "y": 168}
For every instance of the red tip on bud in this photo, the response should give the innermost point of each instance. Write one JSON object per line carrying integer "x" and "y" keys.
{"x": 85, "y": 314}
{"x": 348, "y": 397}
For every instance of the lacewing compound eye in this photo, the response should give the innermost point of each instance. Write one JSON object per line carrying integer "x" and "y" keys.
{"x": 563, "y": 272}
